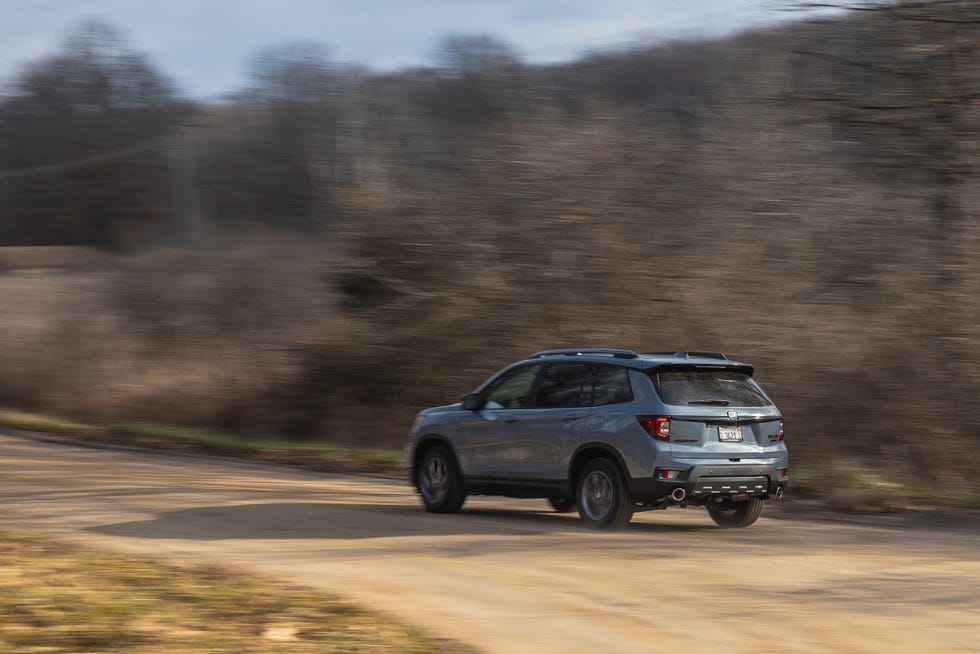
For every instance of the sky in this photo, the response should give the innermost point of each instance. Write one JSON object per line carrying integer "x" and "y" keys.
{"x": 206, "y": 45}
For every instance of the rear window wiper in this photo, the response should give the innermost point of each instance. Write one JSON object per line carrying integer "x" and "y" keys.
{"x": 714, "y": 402}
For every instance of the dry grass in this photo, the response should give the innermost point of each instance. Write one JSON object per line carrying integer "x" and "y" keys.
{"x": 58, "y": 598}
{"x": 855, "y": 487}
{"x": 50, "y": 256}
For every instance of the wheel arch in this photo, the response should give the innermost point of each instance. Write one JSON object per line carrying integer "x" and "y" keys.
{"x": 587, "y": 452}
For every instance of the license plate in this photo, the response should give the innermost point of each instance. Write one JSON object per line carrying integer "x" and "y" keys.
{"x": 730, "y": 434}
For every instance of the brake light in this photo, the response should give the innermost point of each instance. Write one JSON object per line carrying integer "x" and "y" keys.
{"x": 781, "y": 436}
{"x": 656, "y": 426}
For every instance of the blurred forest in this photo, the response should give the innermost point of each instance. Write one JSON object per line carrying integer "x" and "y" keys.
{"x": 331, "y": 248}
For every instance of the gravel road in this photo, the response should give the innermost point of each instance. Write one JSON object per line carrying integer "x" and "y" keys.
{"x": 510, "y": 576}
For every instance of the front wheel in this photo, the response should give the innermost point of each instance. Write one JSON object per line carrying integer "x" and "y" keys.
{"x": 604, "y": 500}
{"x": 439, "y": 481}
{"x": 735, "y": 514}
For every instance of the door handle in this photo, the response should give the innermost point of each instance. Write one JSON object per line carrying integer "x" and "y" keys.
{"x": 510, "y": 421}
{"x": 571, "y": 418}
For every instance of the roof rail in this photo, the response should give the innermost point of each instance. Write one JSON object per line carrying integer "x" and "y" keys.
{"x": 570, "y": 352}
{"x": 687, "y": 354}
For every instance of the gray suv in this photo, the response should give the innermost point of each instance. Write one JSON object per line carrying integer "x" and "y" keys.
{"x": 610, "y": 432}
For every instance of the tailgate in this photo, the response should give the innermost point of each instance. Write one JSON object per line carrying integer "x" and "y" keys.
{"x": 724, "y": 434}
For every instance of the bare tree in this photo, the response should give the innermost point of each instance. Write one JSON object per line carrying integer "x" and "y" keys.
{"x": 280, "y": 159}
{"x": 480, "y": 79}
{"x": 907, "y": 91}
{"x": 470, "y": 55}
{"x": 82, "y": 133}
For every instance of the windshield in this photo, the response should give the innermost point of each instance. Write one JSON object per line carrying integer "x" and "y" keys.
{"x": 715, "y": 387}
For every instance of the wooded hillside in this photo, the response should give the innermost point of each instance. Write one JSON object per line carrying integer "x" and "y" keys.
{"x": 332, "y": 248}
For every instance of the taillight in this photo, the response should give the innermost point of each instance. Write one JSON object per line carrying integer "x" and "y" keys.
{"x": 781, "y": 436}
{"x": 656, "y": 426}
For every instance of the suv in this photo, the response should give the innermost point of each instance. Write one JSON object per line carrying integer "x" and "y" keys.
{"x": 611, "y": 432}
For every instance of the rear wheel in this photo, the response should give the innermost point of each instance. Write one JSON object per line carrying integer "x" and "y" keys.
{"x": 439, "y": 481}
{"x": 604, "y": 500}
{"x": 735, "y": 514}
{"x": 561, "y": 504}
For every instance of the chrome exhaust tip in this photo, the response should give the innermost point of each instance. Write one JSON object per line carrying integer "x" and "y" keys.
{"x": 678, "y": 495}
{"x": 779, "y": 492}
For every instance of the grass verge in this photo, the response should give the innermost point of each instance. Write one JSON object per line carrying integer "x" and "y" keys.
{"x": 34, "y": 422}
{"x": 311, "y": 454}
{"x": 46, "y": 256}
{"x": 856, "y": 489}
{"x": 58, "y": 598}
{"x": 324, "y": 457}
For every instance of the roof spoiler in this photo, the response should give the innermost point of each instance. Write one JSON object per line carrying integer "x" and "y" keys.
{"x": 687, "y": 354}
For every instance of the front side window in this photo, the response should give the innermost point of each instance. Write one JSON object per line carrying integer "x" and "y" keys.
{"x": 512, "y": 390}
{"x": 565, "y": 385}
{"x": 708, "y": 387}
{"x": 612, "y": 385}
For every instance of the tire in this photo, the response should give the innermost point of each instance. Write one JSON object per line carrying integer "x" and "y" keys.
{"x": 736, "y": 514}
{"x": 604, "y": 500}
{"x": 439, "y": 482}
{"x": 562, "y": 504}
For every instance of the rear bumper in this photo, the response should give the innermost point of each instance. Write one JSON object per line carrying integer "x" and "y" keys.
{"x": 704, "y": 481}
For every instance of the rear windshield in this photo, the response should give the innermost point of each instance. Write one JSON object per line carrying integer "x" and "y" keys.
{"x": 708, "y": 388}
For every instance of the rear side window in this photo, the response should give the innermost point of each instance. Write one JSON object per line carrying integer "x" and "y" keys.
{"x": 565, "y": 385}
{"x": 712, "y": 387}
{"x": 612, "y": 385}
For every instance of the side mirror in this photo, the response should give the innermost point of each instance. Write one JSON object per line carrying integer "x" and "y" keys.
{"x": 472, "y": 402}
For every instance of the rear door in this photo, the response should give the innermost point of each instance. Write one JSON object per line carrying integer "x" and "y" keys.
{"x": 717, "y": 412}
{"x": 552, "y": 429}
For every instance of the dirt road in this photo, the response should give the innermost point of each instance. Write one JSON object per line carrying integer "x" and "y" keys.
{"x": 510, "y": 576}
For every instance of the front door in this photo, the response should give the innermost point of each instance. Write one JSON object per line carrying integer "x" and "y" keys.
{"x": 491, "y": 433}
